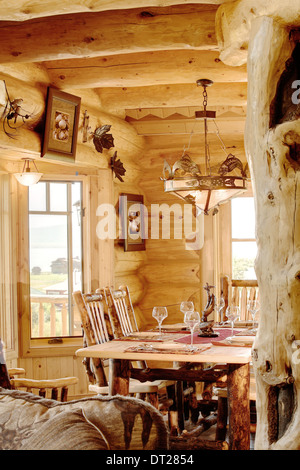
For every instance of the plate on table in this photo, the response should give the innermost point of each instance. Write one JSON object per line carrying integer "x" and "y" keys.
{"x": 240, "y": 340}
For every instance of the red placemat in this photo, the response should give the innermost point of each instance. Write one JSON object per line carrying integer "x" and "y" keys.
{"x": 223, "y": 334}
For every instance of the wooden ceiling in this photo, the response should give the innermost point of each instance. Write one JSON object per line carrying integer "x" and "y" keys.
{"x": 143, "y": 61}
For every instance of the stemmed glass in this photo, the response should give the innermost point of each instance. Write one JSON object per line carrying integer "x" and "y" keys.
{"x": 253, "y": 307}
{"x": 220, "y": 305}
{"x": 159, "y": 313}
{"x": 187, "y": 306}
{"x": 232, "y": 313}
{"x": 192, "y": 319}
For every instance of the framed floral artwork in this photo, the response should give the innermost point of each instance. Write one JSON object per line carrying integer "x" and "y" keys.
{"x": 132, "y": 221}
{"x": 61, "y": 125}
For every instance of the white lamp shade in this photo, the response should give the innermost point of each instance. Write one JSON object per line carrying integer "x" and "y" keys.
{"x": 28, "y": 178}
{"x": 204, "y": 196}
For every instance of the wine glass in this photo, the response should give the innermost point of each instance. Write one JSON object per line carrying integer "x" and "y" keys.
{"x": 220, "y": 305}
{"x": 253, "y": 307}
{"x": 232, "y": 313}
{"x": 187, "y": 306}
{"x": 159, "y": 313}
{"x": 192, "y": 319}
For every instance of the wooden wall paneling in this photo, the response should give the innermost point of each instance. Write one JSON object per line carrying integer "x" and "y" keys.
{"x": 128, "y": 264}
{"x": 172, "y": 273}
{"x": 225, "y": 240}
{"x": 100, "y": 250}
{"x": 56, "y": 367}
{"x": 34, "y": 98}
{"x": 8, "y": 274}
{"x": 23, "y": 270}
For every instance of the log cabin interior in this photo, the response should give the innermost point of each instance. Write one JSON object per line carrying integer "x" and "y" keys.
{"x": 102, "y": 101}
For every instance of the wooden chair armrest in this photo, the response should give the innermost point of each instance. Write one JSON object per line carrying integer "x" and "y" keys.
{"x": 54, "y": 383}
{"x": 15, "y": 371}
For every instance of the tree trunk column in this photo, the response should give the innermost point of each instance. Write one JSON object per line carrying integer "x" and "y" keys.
{"x": 238, "y": 384}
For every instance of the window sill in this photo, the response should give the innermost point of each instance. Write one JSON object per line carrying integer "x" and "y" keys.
{"x": 42, "y": 347}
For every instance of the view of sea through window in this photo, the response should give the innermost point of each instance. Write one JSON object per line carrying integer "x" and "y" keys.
{"x": 244, "y": 248}
{"x": 55, "y": 254}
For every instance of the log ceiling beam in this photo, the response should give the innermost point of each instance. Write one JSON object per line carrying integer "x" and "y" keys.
{"x": 143, "y": 69}
{"x": 106, "y": 33}
{"x": 130, "y": 57}
{"x": 22, "y": 10}
{"x": 220, "y": 94}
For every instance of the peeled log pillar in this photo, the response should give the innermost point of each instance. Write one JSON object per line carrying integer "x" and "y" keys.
{"x": 276, "y": 182}
{"x": 272, "y": 138}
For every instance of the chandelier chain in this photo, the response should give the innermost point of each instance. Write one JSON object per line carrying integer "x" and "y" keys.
{"x": 223, "y": 146}
{"x": 207, "y": 152}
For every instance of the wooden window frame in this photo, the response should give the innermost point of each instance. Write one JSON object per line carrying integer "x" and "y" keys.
{"x": 247, "y": 194}
{"x": 8, "y": 222}
{"x": 37, "y": 347}
{"x": 222, "y": 240}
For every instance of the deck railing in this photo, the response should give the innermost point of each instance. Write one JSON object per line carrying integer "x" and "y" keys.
{"x": 59, "y": 315}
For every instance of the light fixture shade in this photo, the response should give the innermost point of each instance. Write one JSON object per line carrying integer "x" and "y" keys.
{"x": 206, "y": 192}
{"x": 28, "y": 178}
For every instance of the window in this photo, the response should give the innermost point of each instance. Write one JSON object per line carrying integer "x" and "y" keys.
{"x": 243, "y": 243}
{"x": 55, "y": 257}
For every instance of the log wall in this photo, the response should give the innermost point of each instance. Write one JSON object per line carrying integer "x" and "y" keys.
{"x": 168, "y": 271}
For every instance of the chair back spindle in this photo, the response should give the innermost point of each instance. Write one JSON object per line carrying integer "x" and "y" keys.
{"x": 97, "y": 329}
{"x": 121, "y": 311}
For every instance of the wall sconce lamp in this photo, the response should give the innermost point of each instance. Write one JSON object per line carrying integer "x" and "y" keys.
{"x": 28, "y": 177}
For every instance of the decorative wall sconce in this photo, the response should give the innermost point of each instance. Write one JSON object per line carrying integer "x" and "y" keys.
{"x": 13, "y": 113}
{"x": 117, "y": 167}
{"x": 101, "y": 139}
{"x": 28, "y": 177}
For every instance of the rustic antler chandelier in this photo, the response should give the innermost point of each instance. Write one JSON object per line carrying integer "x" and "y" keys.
{"x": 207, "y": 191}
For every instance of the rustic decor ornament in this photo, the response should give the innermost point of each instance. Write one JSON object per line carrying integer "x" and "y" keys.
{"x": 205, "y": 191}
{"x": 117, "y": 167}
{"x": 206, "y": 327}
{"x": 85, "y": 127}
{"x": 13, "y": 113}
{"x": 101, "y": 139}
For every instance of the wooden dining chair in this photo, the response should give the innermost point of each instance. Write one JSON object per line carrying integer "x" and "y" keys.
{"x": 57, "y": 389}
{"x": 124, "y": 323}
{"x": 237, "y": 292}
{"x": 121, "y": 311}
{"x": 97, "y": 329}
{"x": 9, "y": 380}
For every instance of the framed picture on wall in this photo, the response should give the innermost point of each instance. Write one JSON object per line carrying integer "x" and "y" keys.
{"x": 132, "y": 221}
{"x": 61, "y": 125}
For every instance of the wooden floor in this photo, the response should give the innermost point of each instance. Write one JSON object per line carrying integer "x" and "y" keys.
{"x": 210, "y": 434}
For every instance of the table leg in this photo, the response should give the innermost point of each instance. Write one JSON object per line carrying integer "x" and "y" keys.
{"x": 239, "y": 406}
{"x": 118, "y": 377}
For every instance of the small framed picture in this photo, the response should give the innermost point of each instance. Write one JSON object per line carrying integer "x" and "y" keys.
{"x": 132, "y": 221}
{"x": 61, "y": 126}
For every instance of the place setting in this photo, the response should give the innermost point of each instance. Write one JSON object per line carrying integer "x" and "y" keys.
{"x": 168, "y": 341}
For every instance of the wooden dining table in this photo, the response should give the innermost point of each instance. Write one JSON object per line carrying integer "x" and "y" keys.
{"x": 146, "y": 346}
